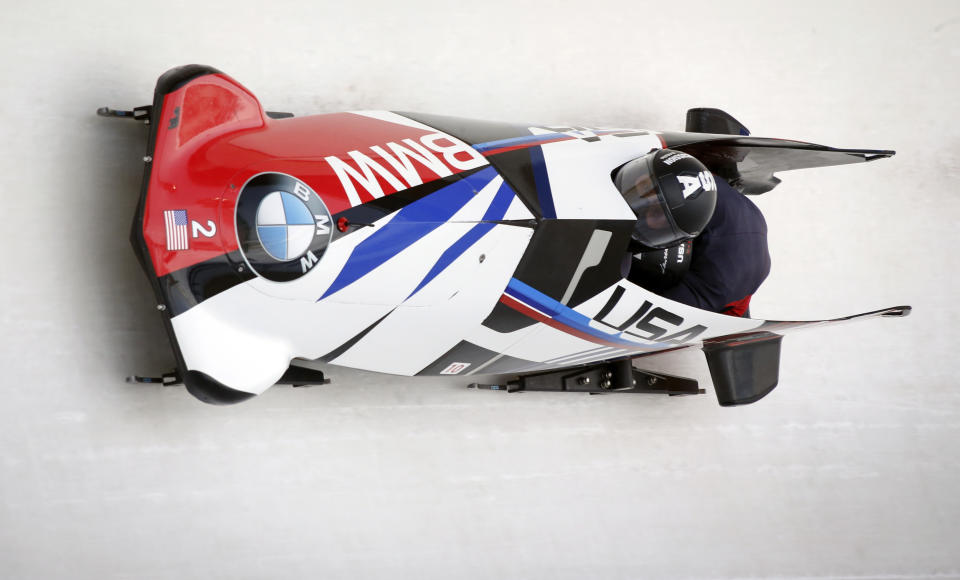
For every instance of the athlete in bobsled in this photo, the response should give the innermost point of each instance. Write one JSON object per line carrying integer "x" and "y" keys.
{"x": 697, "y": 240}
{"x": 418, "y": 244}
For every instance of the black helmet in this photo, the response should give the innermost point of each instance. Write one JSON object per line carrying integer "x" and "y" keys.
{"x": 672, "y": 194}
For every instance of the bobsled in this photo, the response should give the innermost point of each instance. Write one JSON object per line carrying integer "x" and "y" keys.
{"x": 419, "y": 244}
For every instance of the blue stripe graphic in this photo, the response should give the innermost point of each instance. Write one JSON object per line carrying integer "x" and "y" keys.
{"x": 516, "y": 141}
{"x": 498, "y": 209}
{"x": 409, "y": 225}
{"x": 542, "y": 180}
{"x": 561, "y": 313}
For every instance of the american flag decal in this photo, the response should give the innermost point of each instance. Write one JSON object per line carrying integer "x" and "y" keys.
{"x": 176, "y": 222}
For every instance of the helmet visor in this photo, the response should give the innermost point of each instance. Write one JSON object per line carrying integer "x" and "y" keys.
{"x": 654, "y": 226}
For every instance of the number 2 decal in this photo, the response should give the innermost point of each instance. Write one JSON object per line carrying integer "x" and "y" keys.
{"x": 198, "y": 229}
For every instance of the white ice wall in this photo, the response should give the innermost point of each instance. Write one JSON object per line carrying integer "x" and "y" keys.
{"x": 849, "y": 469}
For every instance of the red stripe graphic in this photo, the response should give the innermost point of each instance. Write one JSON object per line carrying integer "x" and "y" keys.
{"x": 540, "y": 317}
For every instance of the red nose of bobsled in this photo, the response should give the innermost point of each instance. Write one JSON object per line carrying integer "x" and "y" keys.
{"x": 188, "y": 181}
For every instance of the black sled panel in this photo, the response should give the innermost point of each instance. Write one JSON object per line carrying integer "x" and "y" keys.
{"x": 706, "y": 120}
{"x": 746, "y": 369}
{"x": 748, "y": 163}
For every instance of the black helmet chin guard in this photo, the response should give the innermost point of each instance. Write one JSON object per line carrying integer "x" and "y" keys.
{"x": 672, "y": 194}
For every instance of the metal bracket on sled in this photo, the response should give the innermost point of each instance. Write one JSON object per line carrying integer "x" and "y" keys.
{"x": 170, "y": 379}
{"x": 295, "y": 376}
{"x": 138, "y": 114}
{"x": 608, "y": 377}
{"x": 303, "y": 377}
{"x": 145, "y": 113}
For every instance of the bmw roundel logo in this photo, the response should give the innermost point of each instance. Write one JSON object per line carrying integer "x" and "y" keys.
{"x": 283, "y": 227}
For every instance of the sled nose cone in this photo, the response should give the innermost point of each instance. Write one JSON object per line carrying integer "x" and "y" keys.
{"x": 211, "y": 391}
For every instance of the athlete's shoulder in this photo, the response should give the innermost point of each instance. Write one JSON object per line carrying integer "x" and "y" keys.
{"x": 736, "y": 211}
